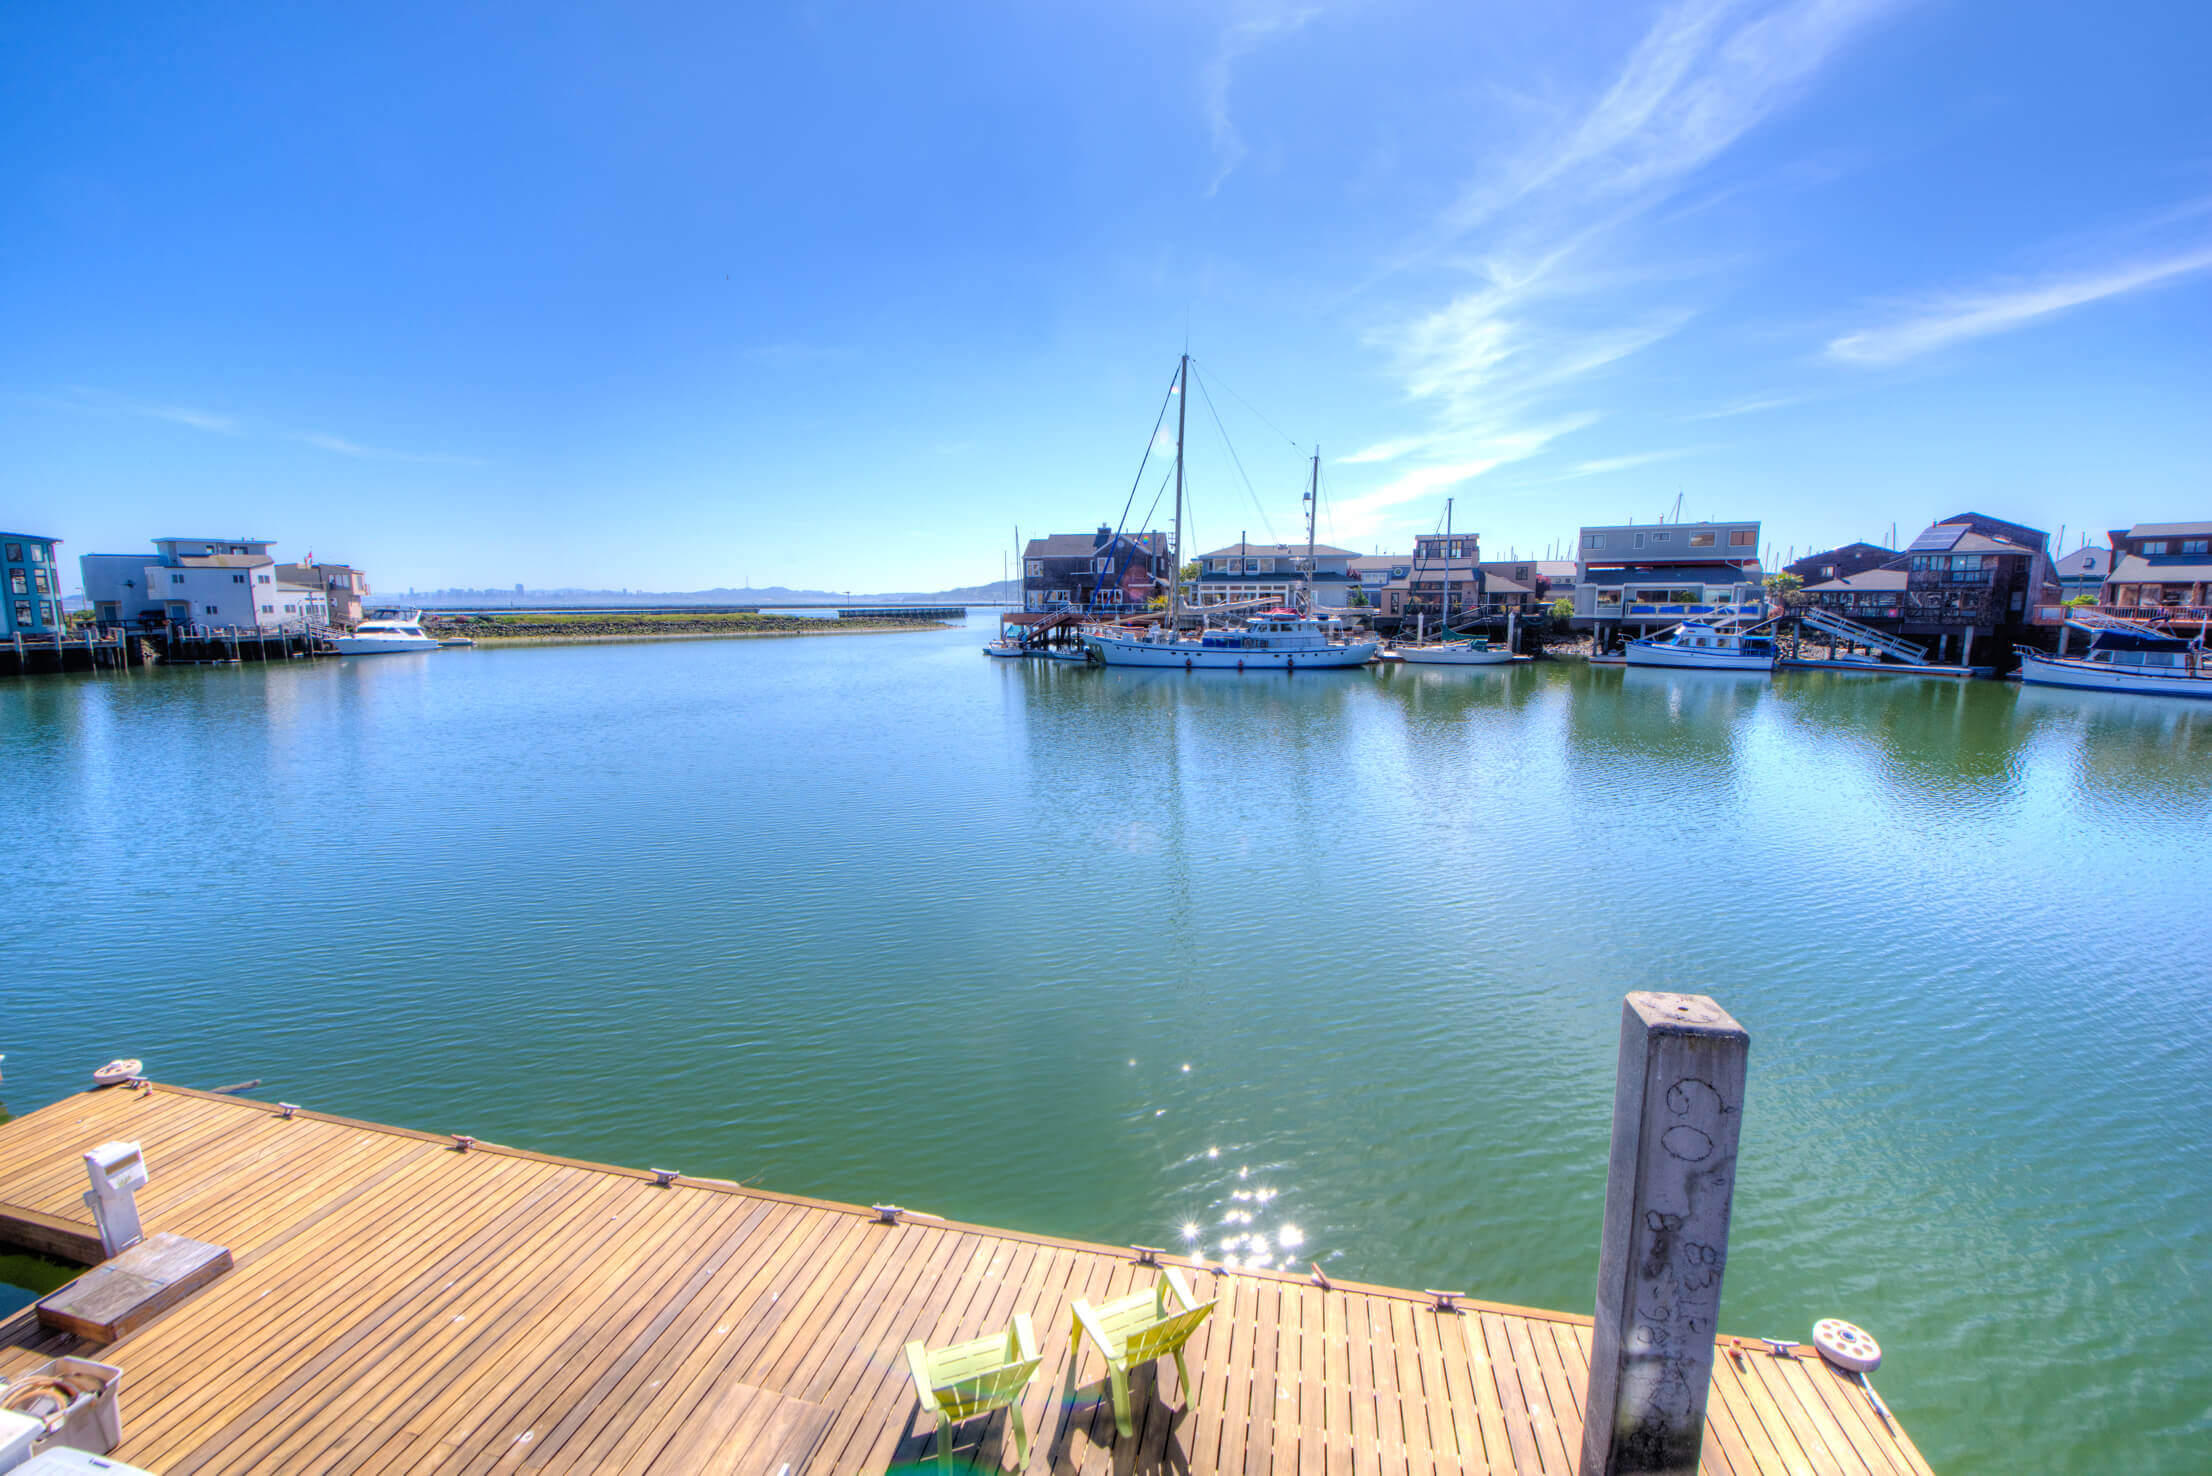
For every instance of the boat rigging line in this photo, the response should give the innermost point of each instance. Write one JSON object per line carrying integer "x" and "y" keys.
{"x": 1238, "y": 461}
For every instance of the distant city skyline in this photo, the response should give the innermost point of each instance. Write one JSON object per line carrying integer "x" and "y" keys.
{"x": 437, "y": 293}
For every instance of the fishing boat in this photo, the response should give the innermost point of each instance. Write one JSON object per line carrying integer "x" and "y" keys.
{"x": 2137, "y": 659}
{"x": 387, "y": 632}
{"x": 1274, "y": 640}
{"x": 1705, "y": 648}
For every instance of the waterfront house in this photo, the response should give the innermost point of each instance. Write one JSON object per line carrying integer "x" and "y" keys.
{"x": 2083, "y": 572}
{"x": 343, "y": 587}
{"x": 32, "y": 603}
{"x": 219, "y": 583}
{"x": 1556, "y": 579}
{"x": 1515, "y": 584}
{"x": 1968, "y": 583}
{"x": 1660, "y": 574}
{"x": 1098, "y": 570}
{"x": 1444, "y": 567}
{"x": 1243, "y": 572}
{"x": 1373, "y": 571}
{"x": 1841, "y": 563}
{"x": 2161, "y": 567}
{"x": 1871, "y": 596}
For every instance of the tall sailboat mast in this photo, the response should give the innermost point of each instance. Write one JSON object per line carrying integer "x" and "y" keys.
{"x": 1175, "y": 555}
{"x": 1313, "y": 501}
{"x": 1444, "y": 621}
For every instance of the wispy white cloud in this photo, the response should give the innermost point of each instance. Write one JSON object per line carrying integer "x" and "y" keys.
{"x": 1960, "y": 317}
{"x": 341, "y": 446}
{"x": 1608, "y": 464}
{"x": 1237, "y": 42}
{"x": 1549, "y": 235}
{"x": 206, "y": 420}
{"x": 1749, "y": 407}
{"x": 105, "y": 402}
{"x": 1383, "y": 451}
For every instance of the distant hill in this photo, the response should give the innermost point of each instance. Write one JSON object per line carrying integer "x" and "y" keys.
{"x": 999, "y": 592}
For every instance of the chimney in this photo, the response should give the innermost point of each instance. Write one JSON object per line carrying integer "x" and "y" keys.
{"x": 1105, "y": 536}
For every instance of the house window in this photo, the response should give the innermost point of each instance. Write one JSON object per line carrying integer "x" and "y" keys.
{"x": 176, "y": 579}
{"x": 1639, "y": 540}
{"x": 265, "y": 609}
{"x": 214, "y": 610}
{"x": 261, "y": 579}
{"x": 1658, "y": 538}
{"x": 1521, "y": 573}
{"x": 18, "y": 582}
{"x": 38, "y": 553}
{"x": 15, "y": 553}
{"x": 2188, "y": 545}
{"x": 1701, "y": 540}
{"x": 1742, "y": 537}
{"x": 2155, "y": 546}
{"x": 238, "y": 579}
{"x": 1609, "y": 597}
{"x": 22, "y": 612}
{"x": 1455, "y": 551}
{"x": 1593, "y": 540}
{"x": 44, "y": 580}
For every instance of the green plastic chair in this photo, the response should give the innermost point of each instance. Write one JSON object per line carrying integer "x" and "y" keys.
{"x": 975, "y": 1378}
{"x": 1137, "y": 1329}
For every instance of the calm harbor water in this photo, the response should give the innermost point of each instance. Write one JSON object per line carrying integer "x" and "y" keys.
{"x": 1320, "y": 967}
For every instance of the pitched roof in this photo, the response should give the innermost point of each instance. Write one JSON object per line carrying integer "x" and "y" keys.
{"x": 223, "y": 561}
{"x": 2085, "y": 561}
{"x": 1277, "y": 551}
{"x": 2135, "y": 569}
{"x": 1557, "y": 570}
{"x": 1080, "y": 545}
{"x": 1364, "y": 562}
{"x": 2170, "y": 530}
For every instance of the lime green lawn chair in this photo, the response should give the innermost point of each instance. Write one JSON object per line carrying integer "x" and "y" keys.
{"x": 976, "y": 1378}
{"x": 1137, "y": 1329}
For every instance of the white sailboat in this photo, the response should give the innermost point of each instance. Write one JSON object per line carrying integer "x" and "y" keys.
{"x": 1275, "y": 640}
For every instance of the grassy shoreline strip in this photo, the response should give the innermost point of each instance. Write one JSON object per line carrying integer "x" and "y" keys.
{"x": 489, "y": 641}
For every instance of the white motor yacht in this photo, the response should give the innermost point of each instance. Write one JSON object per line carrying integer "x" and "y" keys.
{"x": 1701, "y": 647}
{"x": 1477, "y": 652}
{"x": 1280, "y": 640}
{"x": 385, "y": 632}
{"x": 2127, "y": 660}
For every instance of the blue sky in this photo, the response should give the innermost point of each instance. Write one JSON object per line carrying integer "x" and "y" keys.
{"x": 835, "y": 295}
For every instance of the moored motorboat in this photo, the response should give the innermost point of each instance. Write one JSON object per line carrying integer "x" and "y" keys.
{"x": 386, "y": 632}
{"x": 2135, "y": 660}
{"x": 1695, "y": 646}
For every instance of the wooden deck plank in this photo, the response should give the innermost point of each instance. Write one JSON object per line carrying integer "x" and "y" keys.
{"x": 399, "y": 1305}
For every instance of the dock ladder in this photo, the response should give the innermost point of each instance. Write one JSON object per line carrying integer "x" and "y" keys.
{"x": 1912, "y": 653}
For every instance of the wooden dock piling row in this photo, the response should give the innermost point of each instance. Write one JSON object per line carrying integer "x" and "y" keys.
{"x": 397, "y": 1304}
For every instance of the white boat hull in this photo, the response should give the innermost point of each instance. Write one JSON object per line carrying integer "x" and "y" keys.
{"x": 2098, "y": 676}
{"x": 1190, "y": 656}
{"x": 382, "y": 645}
{"x": 994, "y": 649}
{"x": 1457, "y": 656}
{"x": 1695, "y": 658}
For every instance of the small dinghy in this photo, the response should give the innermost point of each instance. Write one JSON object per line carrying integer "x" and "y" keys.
{"x": 118, "y": 1071}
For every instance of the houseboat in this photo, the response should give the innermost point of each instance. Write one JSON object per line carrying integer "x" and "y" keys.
{"x": 1704, "y": 648}
{"x": 2127, "y": 661}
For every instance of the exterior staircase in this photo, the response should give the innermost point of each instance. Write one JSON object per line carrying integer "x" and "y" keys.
{"x": 2093, "y": 621}
{"x": 1912, "y": 653}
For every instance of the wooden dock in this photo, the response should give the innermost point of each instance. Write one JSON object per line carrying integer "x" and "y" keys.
{"x": 399, "y": 1304}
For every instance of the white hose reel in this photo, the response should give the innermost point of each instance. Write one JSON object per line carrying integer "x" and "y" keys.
{"x": 1846, "y": 1346}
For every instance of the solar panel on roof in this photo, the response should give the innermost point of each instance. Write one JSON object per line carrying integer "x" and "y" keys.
{"x": 1938, "y": 538}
